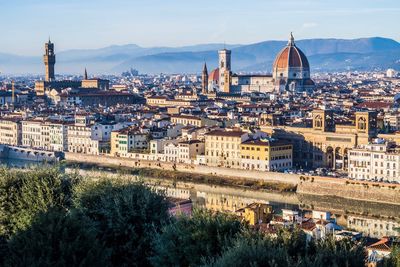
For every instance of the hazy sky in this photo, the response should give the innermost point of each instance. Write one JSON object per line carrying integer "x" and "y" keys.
{"x": 26, "y": 24}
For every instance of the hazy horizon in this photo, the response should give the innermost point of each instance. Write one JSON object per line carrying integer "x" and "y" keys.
{"x": 90, "y": 24}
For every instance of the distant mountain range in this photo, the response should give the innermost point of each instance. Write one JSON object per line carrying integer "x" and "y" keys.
{"x": 323, "y": 54}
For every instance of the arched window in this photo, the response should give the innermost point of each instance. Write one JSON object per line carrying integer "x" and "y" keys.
{"x": 362, "y": 124}
{"x": 318, "y": 121}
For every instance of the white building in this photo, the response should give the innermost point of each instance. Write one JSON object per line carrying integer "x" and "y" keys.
{"x": 391, "y": 73}
{"x": 80, "y": 137}
{"x": 171, "y": 151}
{"x": 58, "y": 136}
{"x": 33, "y": 135}
{"x": 392, "y": 122}
{"x": 189, "y": 150}
{"x": 379, "y": 161}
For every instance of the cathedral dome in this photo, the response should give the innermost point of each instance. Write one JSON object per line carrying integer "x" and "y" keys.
{"x": 214, "y": 75}
{"x": 290, "y": 57}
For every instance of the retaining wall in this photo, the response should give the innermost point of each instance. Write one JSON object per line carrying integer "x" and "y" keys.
{"x": 218, "y": 171}
{"x": 313, "y": 185}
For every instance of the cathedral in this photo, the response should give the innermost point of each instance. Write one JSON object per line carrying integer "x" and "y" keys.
{"x": 290, "y": 73}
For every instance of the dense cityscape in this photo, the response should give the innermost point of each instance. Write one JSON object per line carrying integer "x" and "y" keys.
{"x": 283, "y": 166}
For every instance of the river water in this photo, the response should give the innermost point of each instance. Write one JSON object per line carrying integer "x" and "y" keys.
{"x": 372, "y": 219}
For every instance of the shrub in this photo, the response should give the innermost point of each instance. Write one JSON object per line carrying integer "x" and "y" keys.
{"x": 57, "y": 239}
{"x": 188, "y": 241}
{"x": 126, "y": 216}
{"x": 24, "y": 194}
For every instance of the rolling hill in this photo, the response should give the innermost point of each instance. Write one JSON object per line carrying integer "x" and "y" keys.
{"x": 323, "y": 54}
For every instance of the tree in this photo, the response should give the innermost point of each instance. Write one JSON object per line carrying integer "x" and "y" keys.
{"x": 257, "y": 250}
{"x": 335, "y": 253}
{"x": 189, "y": 241}
{"x": 394, "y": 259}
{"x": 252, "y": 249}
{"x": 24, "y": 194}
{"x": 126, "y": 216}
{"x": 56, "y": 238}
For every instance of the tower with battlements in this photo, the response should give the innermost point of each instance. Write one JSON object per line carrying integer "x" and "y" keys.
{"x": 49, "y": 59}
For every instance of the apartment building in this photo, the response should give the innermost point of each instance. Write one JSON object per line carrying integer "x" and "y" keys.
{"x": 34, "y": 134}
{"x": 189, "y": 150}
{"x": 80, "y": 137}
{"x": 10, "y": 131}
{"x": 171, "y": 151}
{"x": 392, "y": 122}
{"x": 128, "y": 140}
{"x": 222, "y": 148}
{"x": 58, "y": 136}
{"x": 266, "y": 155}
{"x": 377, "y": 161}
{"x": 194, "y": 121}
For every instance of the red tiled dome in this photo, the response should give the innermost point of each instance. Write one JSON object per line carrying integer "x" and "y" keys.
{"x": 214, "y": 75}
{"x": 290, "y": 57}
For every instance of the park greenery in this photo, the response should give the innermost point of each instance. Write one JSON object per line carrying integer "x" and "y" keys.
{"x": 50, "y": 218}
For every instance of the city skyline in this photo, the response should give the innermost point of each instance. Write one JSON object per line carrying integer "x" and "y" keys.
{"x": 89, "y": 24}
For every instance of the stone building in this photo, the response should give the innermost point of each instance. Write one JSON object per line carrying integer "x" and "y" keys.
{"x": 326, "y": 144}
{"x": 291, "y": 70}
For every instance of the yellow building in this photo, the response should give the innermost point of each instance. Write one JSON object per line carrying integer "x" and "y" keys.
{"x": 10, "y": 131}
{"x": 256, "y": 213}
{"x": 194, "y": 121}
{"x": 266, "y": 155}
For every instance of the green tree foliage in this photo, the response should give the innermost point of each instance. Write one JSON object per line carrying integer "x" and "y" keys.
{"x": 394, "y": 259}
{"x": 48, "y": 218}
{"x": 330, "y": 252}
{"x": 126, "y": 216}
{"x": 252, "y": 250}
{"x": 188, "y": 241}
{"x": 57, "y": 239}
{"x": 23, "y": 194}
{"x": 257, "y": 250}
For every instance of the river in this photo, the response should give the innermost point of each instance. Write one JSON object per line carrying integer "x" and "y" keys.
{"x": 372, "y": 219}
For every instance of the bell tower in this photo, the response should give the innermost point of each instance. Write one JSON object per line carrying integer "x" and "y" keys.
{"x": 366, "y": 123}
{"x": 224, "y": 67}
{"x": 204, "y": 80}
{"x": 49, "y": 59}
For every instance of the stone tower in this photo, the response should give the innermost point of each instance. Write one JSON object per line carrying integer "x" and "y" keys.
{"x": 323, "y": 120}
{"x": 224, "y": 67}
{"x": 204, "y": 80}
{"x": 49, "y": 59}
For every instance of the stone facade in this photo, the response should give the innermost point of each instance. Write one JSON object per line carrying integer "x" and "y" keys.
{"x": 325, "y": 144}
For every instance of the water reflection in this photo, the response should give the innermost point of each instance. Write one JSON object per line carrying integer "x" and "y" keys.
{"x": 372, "y": 219}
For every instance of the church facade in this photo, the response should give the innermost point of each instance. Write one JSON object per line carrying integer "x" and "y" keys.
{"x": 290, "y": 73}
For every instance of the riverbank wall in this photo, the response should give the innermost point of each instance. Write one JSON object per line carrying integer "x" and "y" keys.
{"x": 350, "y": 189}
{"x": 29, "y": 154}
{"x": 312, "y": 185}
{"x": 200, "y": 169}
